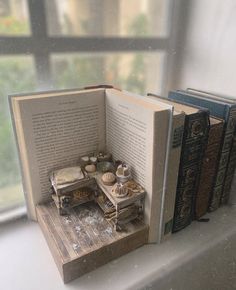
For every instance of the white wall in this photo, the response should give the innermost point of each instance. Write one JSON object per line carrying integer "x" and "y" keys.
{"x": 206, "y": 47}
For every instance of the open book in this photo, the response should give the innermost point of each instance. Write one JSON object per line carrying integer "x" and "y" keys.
{"x": 54, "y": 129}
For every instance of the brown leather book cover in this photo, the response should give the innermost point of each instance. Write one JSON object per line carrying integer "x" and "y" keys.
{"x": 204, "y": 196}
{"x": 225, "y": 109}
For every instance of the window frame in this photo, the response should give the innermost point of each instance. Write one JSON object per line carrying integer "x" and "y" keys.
{"x": 40, "y": 45}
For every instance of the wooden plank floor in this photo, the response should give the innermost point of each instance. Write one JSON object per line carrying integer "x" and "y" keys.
{"x": 84, "y": 240}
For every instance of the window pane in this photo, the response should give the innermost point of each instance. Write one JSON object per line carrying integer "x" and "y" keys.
{"x": 107, "y": 17}
{"x": 16, "y": 75}
{"x": 14, "y": 19}
{"x": 137, "y": 72}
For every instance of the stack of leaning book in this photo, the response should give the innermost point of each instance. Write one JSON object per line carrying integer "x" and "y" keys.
{"x": 207, "y": 159}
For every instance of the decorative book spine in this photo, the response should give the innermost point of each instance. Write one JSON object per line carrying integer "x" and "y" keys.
{"x": 221, "y": 176}
{"x": 232, "y": 195}
{"x": 194, "y": 143}
{"x": 229, "y": 174}
{"x": 172, "y": 175}
{"x": 208, "y": 169}
{"x": 226, "y": 111}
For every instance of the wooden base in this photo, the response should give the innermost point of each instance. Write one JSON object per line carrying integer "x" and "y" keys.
{"x": 84, "y": 240}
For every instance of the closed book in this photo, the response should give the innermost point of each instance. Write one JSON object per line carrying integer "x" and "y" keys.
{"x": 172, "y": 170}
{"x": 204, "y": 196}
{"x": 218, "y": 107}
{"x": 230, "y": 179}
{"x": 232, "y": 193}
{"x": 173, "y": 162}
{"x": 164, "y": 221}
{"x": 194, "y": 141}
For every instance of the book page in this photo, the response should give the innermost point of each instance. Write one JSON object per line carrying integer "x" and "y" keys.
{"x": 57, "y": 130}
{"x": 129, "y": 137}
{"x": 137, "y": 133}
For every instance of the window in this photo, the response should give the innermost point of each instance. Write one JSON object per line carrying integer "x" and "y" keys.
{"x": 52, "y": 44}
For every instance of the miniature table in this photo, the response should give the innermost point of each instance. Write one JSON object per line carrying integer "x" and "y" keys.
{"x": 67, "y": 190}
{"x": 119, "y": 202}
{"x": 123, "y": 202}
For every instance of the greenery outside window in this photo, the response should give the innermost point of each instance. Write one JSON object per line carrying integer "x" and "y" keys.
{"x": 54, "y": 44}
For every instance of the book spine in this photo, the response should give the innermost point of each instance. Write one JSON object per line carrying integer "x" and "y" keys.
{"x": 208, "y": 170}
{"x": 226, "y": 112}
{"x": 172, "y": 175}
{"x": 229, "y": 174}
{"x": 232, "y": 194}
{"x": 153, "y": 203}
{"x": 194, "y": 143}
{"x": 231, "y": 160}
{"x": 218, "y": 189}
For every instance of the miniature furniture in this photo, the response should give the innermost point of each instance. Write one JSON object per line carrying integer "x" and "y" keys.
{"x": 120, "y": 198}
{"x": 126, "y": 208}
{"x": 72, "y": 193}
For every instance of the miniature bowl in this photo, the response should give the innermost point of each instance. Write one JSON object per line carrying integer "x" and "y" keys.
{"x": 105, "y": 166}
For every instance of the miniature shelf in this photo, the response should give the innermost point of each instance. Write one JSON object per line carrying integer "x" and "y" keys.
{"x": 118, "y": 202}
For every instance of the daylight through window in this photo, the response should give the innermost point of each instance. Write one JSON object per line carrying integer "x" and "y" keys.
{"x": 54, "y": 44}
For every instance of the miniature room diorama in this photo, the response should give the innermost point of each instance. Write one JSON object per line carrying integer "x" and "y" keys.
{"x": 95, "y": 215}
{"x": 98, "y": 178}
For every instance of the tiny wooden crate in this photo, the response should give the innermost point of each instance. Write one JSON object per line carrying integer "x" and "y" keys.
{"x": 83, "y": 240}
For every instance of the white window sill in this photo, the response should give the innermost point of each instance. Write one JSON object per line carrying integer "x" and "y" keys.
{"x": 203, "y": 256}
{"x": 12, "y": 214}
